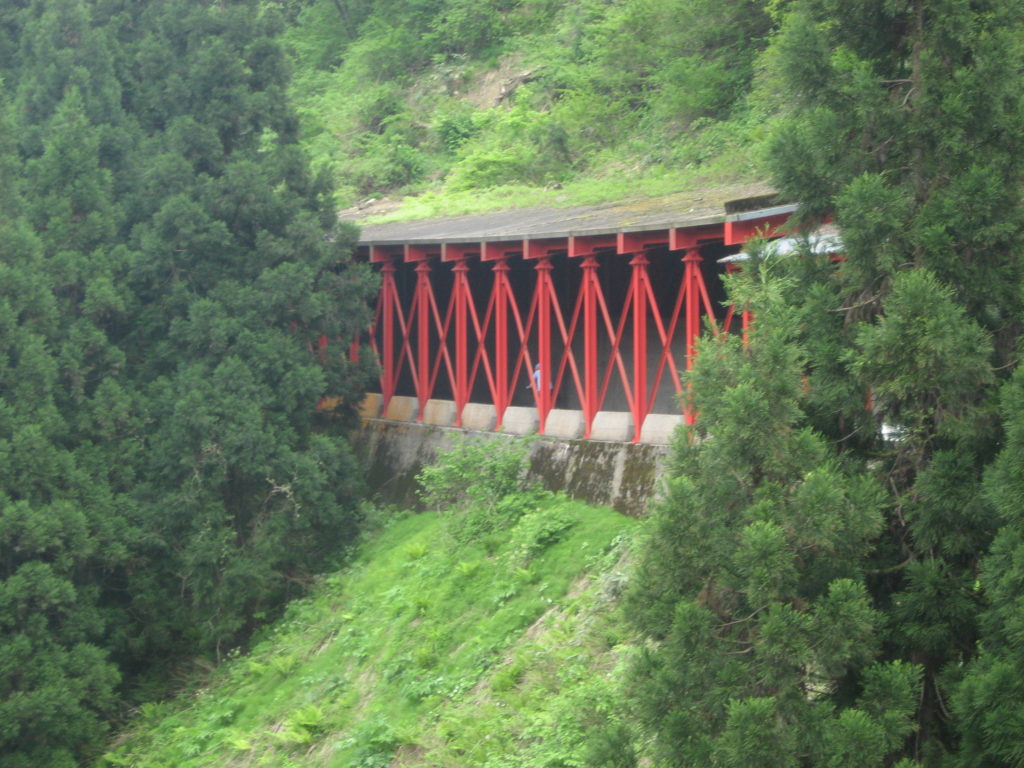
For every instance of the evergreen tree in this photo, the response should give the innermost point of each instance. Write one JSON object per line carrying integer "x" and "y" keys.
{"x": 990, "y": 702}
{"x": 168, "y": 268}
{"x": 907, "y": 129}
{"x": 752, "y": 583}
{"x": 58, "y": 534}
{"x": 62, "y": 49}
{"x": 240, "y": 268}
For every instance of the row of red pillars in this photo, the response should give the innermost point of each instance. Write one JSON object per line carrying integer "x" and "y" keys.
{"x": 405, "y": 332}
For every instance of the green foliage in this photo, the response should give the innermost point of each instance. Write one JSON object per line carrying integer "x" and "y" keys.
{"x": 827, "y": 584}
{"x": 754, "y": 576}
{"x": 906, "y": 128}
{"x": 167, "y": 259}
{"x": 923, "y": 330}
{"x": 537, "y": 530}
{"x": 482, "y": 486}
{"x": 419, "y": 661}
{"x": 523, "y": 92}
{"x": 988, "y": 703}
{"x": 473, "y": 26}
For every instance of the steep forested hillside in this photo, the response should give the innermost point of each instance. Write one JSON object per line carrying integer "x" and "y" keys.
{"x": 168, "y": 262}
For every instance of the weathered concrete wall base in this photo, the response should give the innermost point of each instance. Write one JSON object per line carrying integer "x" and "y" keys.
{"x": 624, "y": 476}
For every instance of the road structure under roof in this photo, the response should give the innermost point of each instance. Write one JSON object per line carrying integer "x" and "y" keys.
{"x": 574, "y": 316}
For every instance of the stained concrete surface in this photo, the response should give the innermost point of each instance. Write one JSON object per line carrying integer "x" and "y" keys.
{"x": 624, "y": 476}
{"x": 680, "y": 209}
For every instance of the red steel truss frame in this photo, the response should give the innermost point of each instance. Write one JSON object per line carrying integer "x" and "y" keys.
{"x": 513, "y": 333}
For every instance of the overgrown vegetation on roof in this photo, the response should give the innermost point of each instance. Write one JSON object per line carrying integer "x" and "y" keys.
{"x": 468, "y": 106}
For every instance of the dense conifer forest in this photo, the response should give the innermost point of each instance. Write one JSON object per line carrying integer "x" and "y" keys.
{"x": 835, "y": 576}
{"x": 168, "y": 261}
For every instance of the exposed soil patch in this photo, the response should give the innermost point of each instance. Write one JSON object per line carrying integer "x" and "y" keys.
{"x": 497, "y": 86}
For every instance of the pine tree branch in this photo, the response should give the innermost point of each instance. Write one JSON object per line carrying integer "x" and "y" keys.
{"x": 342, "y": 11}
{"x": 851, "y": 307}
{"x": 940, "y": 700}
{"x": 748, "y": 618}
{"x": 739, "y": 653}
{"x": 890, "y": 569}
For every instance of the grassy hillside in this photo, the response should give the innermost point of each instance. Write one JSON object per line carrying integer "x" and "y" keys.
{"x": 500, "y": 103}
{"x": 425, "y": 652}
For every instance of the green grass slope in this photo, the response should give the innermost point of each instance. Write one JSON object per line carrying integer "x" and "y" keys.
{"x": 468, "y": 105}
{"x": 424, "y": 652}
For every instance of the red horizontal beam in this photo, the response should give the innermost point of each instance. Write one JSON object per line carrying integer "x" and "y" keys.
{"x": 459, "y": 251}
{"x": 676, "y": 238}
{"x": 682, "y": 238}
{"x": 739, "y": 232}
{"x": 634, "y": 242}
{"x": 415, "y": 252}
{"x": 541, "y": 248}
{"x": 591, "y": 245}
{"x": 493, "y": 251}
{"x": 383, "y": 253}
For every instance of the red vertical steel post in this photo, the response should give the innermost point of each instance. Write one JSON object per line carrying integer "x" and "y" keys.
{"x": 691, "y": 277}
{"x": 461, "y": 298}
{"x": 387, "y": 374}
{"x": 639, "y": 263}
{"x": 543, "y": 288}
{"x": 502, "y": 386}
{"x": 590, "y": 393}
{"x": 423, "y": 292}
{"x": 730, "y": 313}
{"x": 731, "y": 268}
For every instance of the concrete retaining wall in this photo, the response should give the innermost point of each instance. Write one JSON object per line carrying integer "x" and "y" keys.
{"x": 625, "y": 476}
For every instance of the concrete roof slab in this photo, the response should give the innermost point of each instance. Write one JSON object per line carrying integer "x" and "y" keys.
{"x": 680, "y": 210}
